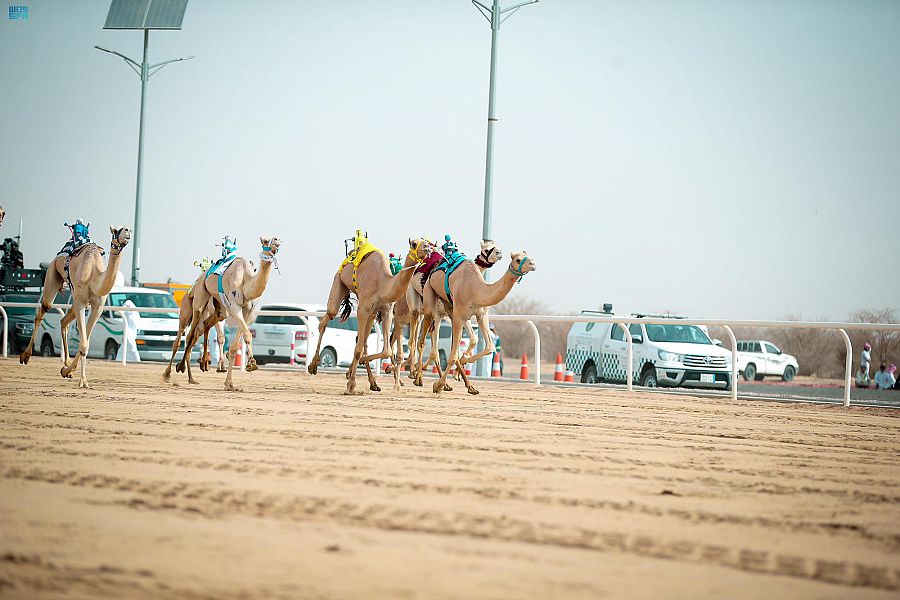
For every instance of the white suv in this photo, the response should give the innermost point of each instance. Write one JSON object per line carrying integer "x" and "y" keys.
{"x": 272, "y": 337}
{"x": 758, "y": 358}
{"x": 154, "y": 338}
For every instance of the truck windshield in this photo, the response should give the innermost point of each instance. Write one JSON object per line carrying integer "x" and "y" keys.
{"x": 688, "y": 334}
{"x": 142, "y": 300}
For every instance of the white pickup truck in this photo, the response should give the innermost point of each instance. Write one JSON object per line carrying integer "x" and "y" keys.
{"x": 664, "y": 355}
{"x": 758, "y": 358}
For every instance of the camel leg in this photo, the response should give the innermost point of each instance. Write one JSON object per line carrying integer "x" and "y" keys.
{"x": 71, "y": 315}
{"x": 193, "y": 335}
{"x": 387, "y": 319}
{"x": 184, "y": 320}
{"x": 52, "y": 285}
{"x": 438, "y": 386}
{"x": 96, "y": 307}
{"x": 363, "y": 318}
{"x": 232, "y": 353}
{"x": 338, "y": 292}
{"x": 66, "y": 371}
{"x": 484, "y": 331}
{"x": 413, "y": 335}
{"x": 220, "y": 341}
{"x": 244, "y": 330}
{"x": 204, "y": 359}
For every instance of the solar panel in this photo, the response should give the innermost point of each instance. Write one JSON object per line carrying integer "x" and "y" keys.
{"x": 145, "y": 14}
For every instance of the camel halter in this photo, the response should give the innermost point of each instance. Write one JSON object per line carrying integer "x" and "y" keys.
{"x": 115, "y": 246}
{"x": 268, "y": 255}
{"x": 482, "y": 259}
{"x": 519, "y": 273}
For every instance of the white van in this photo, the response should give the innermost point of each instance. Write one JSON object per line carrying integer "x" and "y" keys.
{"x": 154, "y": 339}
{"x": 664, "y": 355}
{"x": 272, "y": 337}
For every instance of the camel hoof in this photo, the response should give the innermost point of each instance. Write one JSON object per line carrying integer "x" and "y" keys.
{"x": 193, "y": 381}
{"x": 221, "y": 369}
{"x": 83, "y": 385}
{"x": 23, "y": 358}
{"x": 473, "y": 391}
{"x": 387, "y": 369}
{"x": 447, "y": 388}
{"x": 374, "y": 387}
{"x": 438, "y": 387}
{"x": 313, "y": 365}
{"x": 179, "y": 368}
{"x": 167, "y": 374}
{"x": 64, "y": 374}
{"x": 251, "y": 366}
{"x": 229, "y": 387}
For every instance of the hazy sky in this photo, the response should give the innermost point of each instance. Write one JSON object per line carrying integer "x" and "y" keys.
{"x": 720, "y": 159}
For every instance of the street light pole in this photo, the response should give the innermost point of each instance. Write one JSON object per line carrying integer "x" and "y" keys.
{"x": 495, "y": 16}
{"x": 145, "y": 71}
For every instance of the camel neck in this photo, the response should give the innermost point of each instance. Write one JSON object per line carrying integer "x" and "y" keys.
{"x": 491, "y": 294}
{"x": 108, "y": 275}
{"x": 257, "y": 284}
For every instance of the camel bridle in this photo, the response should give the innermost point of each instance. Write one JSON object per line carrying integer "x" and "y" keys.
{"x": 520, "y": 271}
{"x": 115, "y": 246}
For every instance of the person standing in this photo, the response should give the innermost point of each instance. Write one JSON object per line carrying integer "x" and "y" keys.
{"x": 866, "y": 358}
{"x": 132, "y": 322}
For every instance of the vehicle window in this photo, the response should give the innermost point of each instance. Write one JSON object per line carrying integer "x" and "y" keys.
{"x": 31, "y": 298}
{"x": 772, "y": 349}
{"x": 635, "y": 329}
{"x": 589, "y": 326}
{"x": 144, "y": 300}
{"x": 446, "y": 330}
{"x": 755, "y": 347}
{"x": 687, "y": 334}
{"x": 618, "y": 333}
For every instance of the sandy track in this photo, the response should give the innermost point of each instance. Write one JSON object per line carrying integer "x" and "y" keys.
{"x": 142, "y": 489}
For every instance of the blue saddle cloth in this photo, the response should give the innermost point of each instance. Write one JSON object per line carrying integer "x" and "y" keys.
{"x": 448, "y": 266}
{"x": 73, "y": 247}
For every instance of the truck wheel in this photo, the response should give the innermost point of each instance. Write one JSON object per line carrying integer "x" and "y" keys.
{"x": 750, "y": 372}
{"x": 47, "y": 347}
{"x": 760, "y": 376}
{"x": 648, "y": 378}
{"x": 112, "y": 349}
{"x": 589, "y": 375}
{"x": 788, "y": 373}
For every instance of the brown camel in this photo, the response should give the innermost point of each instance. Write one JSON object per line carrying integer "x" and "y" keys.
{"x": 185, "y": 315}
{"x": 241, "y": 286}
{"x": 89, "y": 282}
{"x": 409, "y": 311}
{"x": 376, "y": 291}
{"x": 470, "y": 296}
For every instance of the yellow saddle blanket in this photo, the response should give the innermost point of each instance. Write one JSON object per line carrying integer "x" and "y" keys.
{"x": 355, "y": 258}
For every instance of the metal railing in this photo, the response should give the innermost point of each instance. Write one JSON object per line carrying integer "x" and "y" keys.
{"x": 531, "y": 320}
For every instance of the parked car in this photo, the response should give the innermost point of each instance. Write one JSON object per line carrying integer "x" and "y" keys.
{"x": 20, "y": 320}
{"x": 758, "y": 358}
{"x": 444, "y": 341}
{"x": 154, "y": 338}
{"x": 272, "y": 337}
{"x": 664, "y": 355}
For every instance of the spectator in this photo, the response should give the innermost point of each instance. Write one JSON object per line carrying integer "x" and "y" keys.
{"x": 892, "y": 371}
{"x": 866, "y": 358}
{"x": 883, "y": 379}
{"x": 862, "y": 378}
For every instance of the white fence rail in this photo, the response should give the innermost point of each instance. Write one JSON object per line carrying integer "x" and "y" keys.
{"x": 727, "y": 324}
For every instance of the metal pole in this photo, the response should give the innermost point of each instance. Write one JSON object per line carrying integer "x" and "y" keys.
{"x": 734, "y": 365}
{"x": 136, "y": 238}
{"x": 537, "y": 352}
{"x": 492, "y": 119}
{"x": 5, "y": 331}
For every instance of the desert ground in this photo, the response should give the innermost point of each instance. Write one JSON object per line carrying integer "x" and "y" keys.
{"x": 140, "y": 489}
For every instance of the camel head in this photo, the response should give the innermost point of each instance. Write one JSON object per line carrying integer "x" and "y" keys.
{"x": 520, "y": 264}
{"x": 120, "y": 238}
{"x": 270, "y": 248}
{"x": 490, "y": 254}
{"x": 420, "y": 249}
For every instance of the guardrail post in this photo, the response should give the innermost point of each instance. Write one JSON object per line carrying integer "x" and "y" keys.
{"x": 734, "y": 365}
{"x": 377, "y": 346}
{"x": 5, "y": 331}
{"x": 62, "y": 314}
{"x": 537, "y": 352}
{"x": 848, "y": 367}
{"x": 629, "y": 376}
{"x": 125, "y": 342}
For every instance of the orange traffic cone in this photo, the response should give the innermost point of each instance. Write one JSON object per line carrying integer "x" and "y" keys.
{"x": 558, "y": 373}
{"x": 495, "y": 368}
{"x": 434, "y": 368}
{"x": 468, "y": 369}
{"x": 385, "y": 366}
{"x": 239, "y": 357}
{"x": 523, "y": 372}
{"x": 570, "y": 376}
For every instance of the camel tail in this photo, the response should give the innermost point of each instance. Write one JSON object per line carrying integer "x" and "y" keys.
{"x": 346, "y": 308}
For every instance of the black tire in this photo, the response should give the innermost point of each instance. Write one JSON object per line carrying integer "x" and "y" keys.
{"x": 111, "y": 350}
{"x": 750, "y": 372}
{"x": 759, "y": 377}
{"x": 789, "y": 373}
{"x": 589, "y": 374}
{"x": 728, "y": 385}
{"x": 328, "y": 358}
{"x": 443, "y": 358}
{"x": 47, "y": 347}
{"x": 648, "y": 379}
